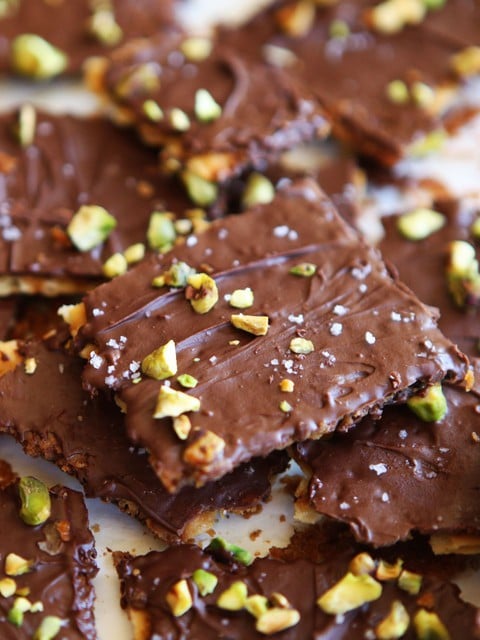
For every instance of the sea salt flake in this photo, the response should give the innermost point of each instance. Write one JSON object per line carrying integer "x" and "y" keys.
{"x": 340, "y": 310}
{"x": 336, "y": 329}
{"x": 379, "y": 468}
{"x": 370, "y": 338}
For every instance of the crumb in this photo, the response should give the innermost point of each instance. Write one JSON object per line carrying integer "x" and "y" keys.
{"x": 283, "y": 518}
{"x": 255, "y": 534}
{"x": 95, "y": 528}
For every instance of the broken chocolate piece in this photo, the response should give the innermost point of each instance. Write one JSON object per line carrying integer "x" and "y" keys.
{"x": 329, "y": 332}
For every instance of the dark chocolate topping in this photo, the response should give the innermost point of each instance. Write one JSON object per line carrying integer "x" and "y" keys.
{"x": 65, "y": 25}
{"x": 373, "y": 340}
{"x": 457, "y": 21}
{"x": 146, "y": 581}
{"x": 390, "y": 477}
{"x": 85, "y": 438}
{"x": 62, "y": 566}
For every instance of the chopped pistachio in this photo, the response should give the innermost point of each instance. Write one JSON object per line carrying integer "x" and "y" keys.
{"x": 27, "y": 121}
{"x": 349, "y": 593}
{"x": 258, "y": 190}
{"x": 301, "y": 346}
{"x": 105, "y": 28}
{"x": 280, "y": 57}
{"x": 339, "y": 29}
{"x": 234, "y": 343}
{"x": 233, "y": 598}
{"x": 7, "y": 587}
{"x": 172, "y": 403}
{"x": 134, "y": 253}
{"x": 387, "y": 571}
{"x": 204, "y": 450}
{"x": 48, "y": 628}
{"x": 74, "y": 315}
{"x": 285, "y": 406}
{"x": 202, "y": 292}
{"x": 90, "y": 226}
{"x": 397, "y": 92}
{"x": 183, "y": 226}
{"x": 143, "y": 78}
{"x": 386, "y": 18}
{"x": 179, "y": 120}
{"x": 158, "y": 281}
{"x": 239, "y": 554}
{"x": 296, "y": 19}
{"x": 304, "y": 270}
{"x": 115, "y": 265}
{"x": 256, "y": 605}
{"x": 206, "y": 108}
{"x": 205, "y": 580}
{"x": 475, "y": 228}
{"x": 196, "y": 49}
{"x": 182, "y": 426}
{"x": 6, "y": 6}
{"x": 241, "y": 298}
{"x": 201, "y": 191}
{"x": 467, "y": 62}
{"x": 427, "y": 144}
{"x": 279, "y": 600}
{"x": 430, "y": 405}
{"x": 410, "y": 582}
{"x": 37, "y": 607}
{"x": 20, "y": 606}
{"x": 420, "y": 223}
{"x": 179, "y": 598}
{"x": 286, "y": 385}
{"x": 422, "y": 94}
{"x": 463, "y": 274}
{"x": 395, "y": 624}
{"x": 152, "y": 110}
{"x": 35, "y": 500}
{"x": 428, "y": 625}
{"x": 161, "y": 232}
{"x": 161, "y": 363}
{"x": 187, "y": 381}
{"x": 30, "y": 366}
{"x": 257, "y": 325}
{"x": 15, "y": 565}
{"x": 36, "y": 58}
{"x": 178, "y": 274}
{"x": 362, "y": 563}
{"x": 277, "y": 619}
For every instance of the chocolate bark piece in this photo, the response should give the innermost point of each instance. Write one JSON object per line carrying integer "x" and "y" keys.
{"x": 147, "y": 581}
{"x": 85, "y": 437}
{"x": 329, "y": 335}
{"x": 61, "y": 556}
{"x": 214, "y": 114}
{"x": 68, "y": 26}
{"x": 73, "y": 162}
{"x": 389, "y": 478}
{"x": 422, "y": 265}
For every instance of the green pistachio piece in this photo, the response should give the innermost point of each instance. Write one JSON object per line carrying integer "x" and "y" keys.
{"x": 134, "y": 253}
{"x": 178, "y": 274}
{"x": 241, "y": 298}
{"x": 90, "y": 226}
{"x": 277, "y": 619}
{"x": 143, "y": 78}
{"x": 434, "y": 4}
{"x": 36, "y": 58}
{"x": 158, "y": 281}
{"x": 37, "y": 607}
{"x": 240, "y": 555}
{"x": 172, "y": 403}
{"x": 202, "y": 192}
{"x": 6, "y": 6}
{"x": 187, "y": 381}
{"x": 256, "y": 605}
{"x": 422, "y": 94}
{"x": 304, "y": 270}
{"x": 397, "y": 92}
{"x": 285, "y": 406}
{"x": 420, "y": 223}
{"x": 349, "y": 593}
{"x": 362, "y": 563}
{"x": 410, "y": 582}
{"x": 430, "y": 405}
{"x": 30, "y": 366}
{"x": 280, "y": 57}
{"x": 7, "y": 587}
{"x": 152, "y": 110}
{"x": 27, "y": 120}
{"x": 339, "y": 29}
{"x": 15, "y": 565}
{"x": 206, "y": 582}
{"x": 196, "y": 49}
{"x": 104, "y": 27}
{"x": 430, "y": 143}
{"x": 256, "y": 325}
{"x": 35, "y": 499}
{"x": 206, "y": 108}
{"x": 161, "y": 232}
{"x": 301, "y": 346}
{"x": 258, "y": 190}
{"x": 179, "y": 120}
{"x": 179, "y": 598}
{"x": 161, "y": 363}
{"x": 475, "y": 228}
{"x": 233, "y": 598}
{"x": 20, "y": 606}
{"x": 428, "y": 626}
{"x": 388, "y": 571}
{"x": 182, "y": 426}
{"x": 463, "y": 275}
{"x": 48, "y": 628}
{"x": 202, "y": 292}
{"x": 115, "y": 266}
{"x": 467, "y": 62}
{"x": 395, "y": 624}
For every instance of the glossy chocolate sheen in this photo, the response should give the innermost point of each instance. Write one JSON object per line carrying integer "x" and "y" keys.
{"x": 391, "y": 477}
{"x": 463, "y": 15}
{"x": 263, "y": 112}
{"x": 62, "y": 569}
{"x": 85, "y": 438}
{"x": 422, "y": 266}
{"x": 65, "y": 25}
{"x": 73, "y": 162}
{"x": 373, "y": 341}
{"x": 147, "y": 579}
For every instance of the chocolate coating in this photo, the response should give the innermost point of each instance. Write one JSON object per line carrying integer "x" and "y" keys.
{"x": 65, "y": 25}
{"x": 85, "y": 438}
{"x": 349, "y": 309}
{"x": 145, "y": 581}
{"x": 62, "y": 568}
